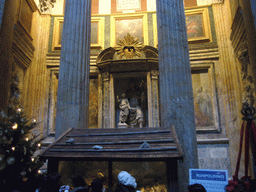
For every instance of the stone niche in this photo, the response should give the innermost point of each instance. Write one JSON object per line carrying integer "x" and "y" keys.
{"x": 129, "y": 79}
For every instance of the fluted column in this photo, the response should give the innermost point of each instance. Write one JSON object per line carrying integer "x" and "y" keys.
{"x": 73, "y": 88}
{"x": 1, "y": 11}
{"x": 176, "y": 96}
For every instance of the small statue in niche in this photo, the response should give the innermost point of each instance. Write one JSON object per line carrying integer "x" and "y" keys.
{"x": 124, "y": 110}
{"x": 135, "y": 113}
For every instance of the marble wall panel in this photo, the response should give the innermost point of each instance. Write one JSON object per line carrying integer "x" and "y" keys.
{"x": 214, "y": 156}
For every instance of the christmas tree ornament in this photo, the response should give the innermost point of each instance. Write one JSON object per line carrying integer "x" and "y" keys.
{"x": 3, "y": 114}
{"x": 17, "y": 143}
{"x": 25, "y": 150}
{"x": 10, "y": 160}
{"x": 23, "y": 173}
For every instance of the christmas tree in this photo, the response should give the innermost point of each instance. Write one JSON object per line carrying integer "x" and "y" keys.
{"x": 18, "y": 141}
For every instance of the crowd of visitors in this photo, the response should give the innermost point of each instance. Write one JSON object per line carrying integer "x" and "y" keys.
{"x": 52, "y": 183}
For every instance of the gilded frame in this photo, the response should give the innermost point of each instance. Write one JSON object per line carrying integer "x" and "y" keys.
{"x": 202, "y": 13}
{"x": 210, "y": 88}
{"x": 154, "y": 16}
{"x": 58, "y": 21}
{"x": 101, "y": 32}
{"x": 198, "y": 25}
{"x": 129, "y": 17}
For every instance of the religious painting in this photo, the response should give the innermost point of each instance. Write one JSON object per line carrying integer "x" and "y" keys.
{"x": 133, "y": 26}
{"x": 204, "y": 98}
{"x": 94, "y": 32}
{"x": 97, "y": 32}
{"x": 194, "y": 26}
{"x": 198, "y": 25}
{"x": 93, "y": 103}
{"x": 26, "y": 15}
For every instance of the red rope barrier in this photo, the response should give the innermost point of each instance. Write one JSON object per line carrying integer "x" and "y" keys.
{"x": 250, "y": 129}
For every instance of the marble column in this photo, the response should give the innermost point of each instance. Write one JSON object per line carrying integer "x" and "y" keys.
{"x": 253, "y": 8}
{"x": 73, "y": 88}
{"x": 176, "y": 95}
{"x": 1, "y": 11}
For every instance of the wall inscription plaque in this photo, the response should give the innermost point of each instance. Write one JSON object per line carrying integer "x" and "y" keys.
{"x": 122, "y": 5}
{"x": 219, "y": 153}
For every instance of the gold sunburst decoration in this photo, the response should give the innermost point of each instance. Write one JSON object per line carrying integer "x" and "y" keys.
{"x": 129, "y": 47}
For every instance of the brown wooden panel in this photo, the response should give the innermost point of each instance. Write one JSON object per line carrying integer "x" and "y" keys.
{"x": 116, "y": 144}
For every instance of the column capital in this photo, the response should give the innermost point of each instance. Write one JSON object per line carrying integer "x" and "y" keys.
{"x": 45, "y": 6}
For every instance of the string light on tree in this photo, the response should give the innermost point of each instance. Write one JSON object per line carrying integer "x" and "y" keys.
{"x": 15, "y": 126}
{"x": 19, "y": 145}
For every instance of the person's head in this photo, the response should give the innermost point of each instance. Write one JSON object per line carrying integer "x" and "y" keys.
{"x": 126, "y": 179}
{"x": 78, "y": 181}
{"x": 51, "y": 183}
{"x": 97, "y": 185}
{"x": 196, "y": 188}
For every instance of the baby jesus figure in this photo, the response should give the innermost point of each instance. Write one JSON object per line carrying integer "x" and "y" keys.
{"x": 124, "y": 109}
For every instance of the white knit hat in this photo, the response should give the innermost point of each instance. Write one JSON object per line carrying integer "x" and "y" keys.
{"x": 126, "y": 179}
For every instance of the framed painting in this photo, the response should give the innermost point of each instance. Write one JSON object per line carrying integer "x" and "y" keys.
{"x": 97, "y": 32}
{"x": 135, "y": 25}
{"x": 198, "y": 25}
{"x": 205, "y": 97}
